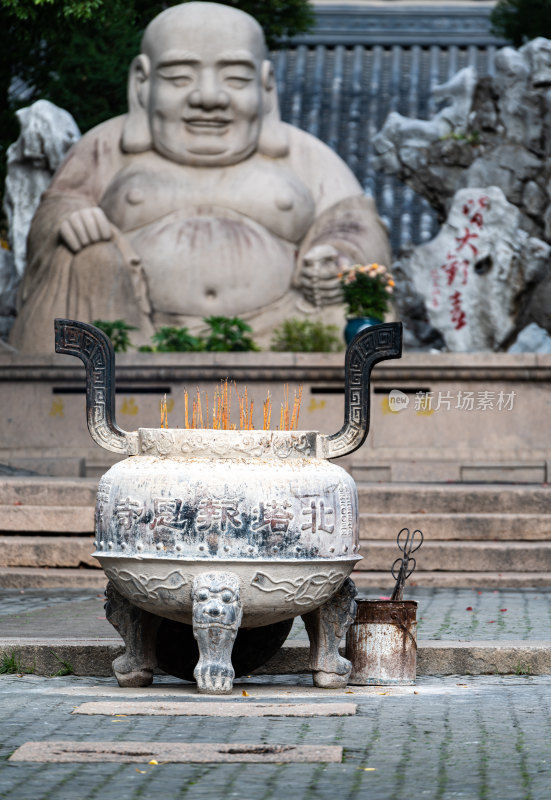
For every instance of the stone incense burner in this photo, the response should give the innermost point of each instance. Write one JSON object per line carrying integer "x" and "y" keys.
{"x": 214, "y": 540}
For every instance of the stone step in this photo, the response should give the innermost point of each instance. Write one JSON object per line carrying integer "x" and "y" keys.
{"x": 378, "y": 580}
{"x": 463, "y": 556}
{"x": 71, "y": 578}
{"x": 72, "y": 551}
{"x": 447, "y": 657}
{"x": 42, "y": 551}
{"x": 55, "y": 578}
{"x": 468, "y": 527}
{"x": 374, "y": 497}
{"x": 46, "y": 519}
{"x": 80, "y": 519}
{"x": 43, "y": 491}
{"x": 415, "y": 498}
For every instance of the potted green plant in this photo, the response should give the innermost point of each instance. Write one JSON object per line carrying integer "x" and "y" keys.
{"x": 366, "y": 291}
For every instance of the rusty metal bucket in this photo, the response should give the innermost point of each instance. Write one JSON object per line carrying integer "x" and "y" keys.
{"x": 382, "y": 643}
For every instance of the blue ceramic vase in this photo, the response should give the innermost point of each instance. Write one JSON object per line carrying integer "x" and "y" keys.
{"x": 356, "y": 324}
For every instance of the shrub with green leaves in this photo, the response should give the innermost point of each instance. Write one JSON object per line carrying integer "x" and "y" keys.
{"x": 306, "y": 336}
{"x": 229, "y": 335}
{"x": 226, "y": 335}
{"x": 175, "y": 340}
{"x": 117, "y": 331}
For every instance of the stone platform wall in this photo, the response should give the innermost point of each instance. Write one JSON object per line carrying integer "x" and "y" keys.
{"x": 497, "y": 432}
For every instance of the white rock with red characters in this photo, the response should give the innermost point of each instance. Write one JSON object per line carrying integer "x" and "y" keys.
{"x": 475, "y": 273}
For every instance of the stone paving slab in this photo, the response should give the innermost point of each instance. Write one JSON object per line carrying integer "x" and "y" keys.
{"x": 174, "y": 752}
{"x": 264, "y": 688}
{"x": 459, "y": 631}
{"x": 216, "y": 709}
{"x": 446, "y": 739}
{"x": 456, "y": 614}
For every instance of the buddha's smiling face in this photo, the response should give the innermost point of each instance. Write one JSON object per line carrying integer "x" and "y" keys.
{"x": 203, "y": 93}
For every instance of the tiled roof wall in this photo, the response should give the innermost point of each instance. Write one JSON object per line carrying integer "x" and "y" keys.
{"x": 343, "y": 94}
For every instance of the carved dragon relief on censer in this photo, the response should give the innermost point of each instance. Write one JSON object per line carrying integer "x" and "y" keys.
{"x": 207, "y": 565}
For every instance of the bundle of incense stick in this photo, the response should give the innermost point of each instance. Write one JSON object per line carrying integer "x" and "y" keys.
{"x": 289, "y": 422}
{"x": 164, "y": 413}
{"x": 220, "y": 417}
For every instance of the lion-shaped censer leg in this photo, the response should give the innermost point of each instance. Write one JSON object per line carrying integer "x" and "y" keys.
{"x": 217, "y": 613}
{"x": 325, "y": 627}
{"x": 138, "y": 629}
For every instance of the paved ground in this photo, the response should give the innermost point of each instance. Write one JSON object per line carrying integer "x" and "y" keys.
{"x": 443, "y": 614}
{"x": 475, "y": 739}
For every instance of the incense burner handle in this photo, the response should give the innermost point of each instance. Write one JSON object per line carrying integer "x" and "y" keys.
{"x": 94, "y": 348}
{"x": 367, "y": 348}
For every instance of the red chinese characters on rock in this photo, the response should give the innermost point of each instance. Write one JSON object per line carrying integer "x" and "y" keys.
{"x": 456, "y": 267}
{"x": 458, "y": 317}
{"x": 466, "y": 240}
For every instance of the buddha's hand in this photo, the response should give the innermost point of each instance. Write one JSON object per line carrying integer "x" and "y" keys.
{"x": 84, "y": 227}
{"x": 318, "y": 279}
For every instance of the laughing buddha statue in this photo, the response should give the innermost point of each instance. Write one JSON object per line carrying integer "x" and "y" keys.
{"x": 199, "y": 201}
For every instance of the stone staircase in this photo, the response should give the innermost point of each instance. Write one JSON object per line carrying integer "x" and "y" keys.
{"x": 475, "y": 535}
{"x": 481, "y": 535}
{"x": 47, "y": 533}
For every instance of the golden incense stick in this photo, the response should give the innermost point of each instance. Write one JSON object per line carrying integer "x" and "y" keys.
{"x": 164, "y": 413}
{"x": 221, "y": 409}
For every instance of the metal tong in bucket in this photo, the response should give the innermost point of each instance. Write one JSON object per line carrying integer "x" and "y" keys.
{"x": 405, "y": 564}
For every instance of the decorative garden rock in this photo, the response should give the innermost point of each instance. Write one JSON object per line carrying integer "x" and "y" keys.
{"x": 227, "y": 529}
{"x": 47, "y": 133}
{"x": 532, "y": 339}
{"x": 477, "y": 272}
{"x": 494, "y": 131}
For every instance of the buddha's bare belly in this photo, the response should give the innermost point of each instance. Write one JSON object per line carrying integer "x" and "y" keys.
{"x": 214, "y": 261}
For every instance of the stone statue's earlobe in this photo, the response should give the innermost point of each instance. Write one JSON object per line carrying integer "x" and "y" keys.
{"x": 136, "y": 134}
{"x": 269, "y": 91}
{"x": 273, "y": 140}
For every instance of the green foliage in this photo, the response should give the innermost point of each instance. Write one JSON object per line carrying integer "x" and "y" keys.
{"x": 65, "y": 669}
{"x": 91, "y": 68}
{"x": 366, "y": 290}
{"x": 31, "y": 9}
{"x": 306, "y": 336}
{"x": 118, "y": 333}
{"x": 521, "y": 20}
{"x": 76, "y": 53}
{"x": 226, "y": 335}
{"x": 229, "y": 335}
{"x": 174, "y": 340}
{"x": 9, "y": 665}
